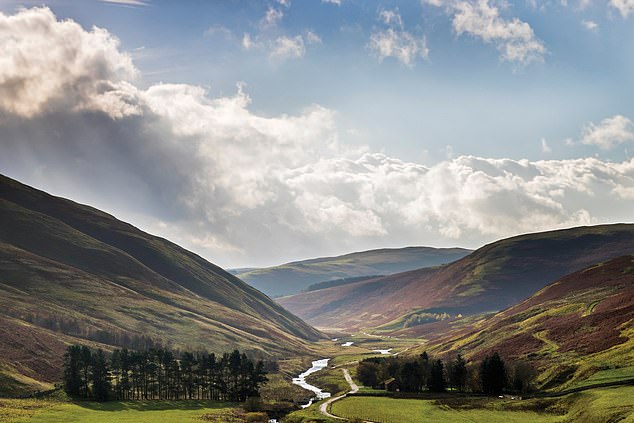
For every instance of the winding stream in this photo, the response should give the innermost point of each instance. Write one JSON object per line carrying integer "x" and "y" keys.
{"x": 301, "y": 381}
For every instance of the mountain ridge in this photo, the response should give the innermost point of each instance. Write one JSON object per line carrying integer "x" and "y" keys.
{"x": 493, "y": 277}
{"x": 297, "y": 276}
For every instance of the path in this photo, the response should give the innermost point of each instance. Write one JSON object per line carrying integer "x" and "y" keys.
{"x": 323, "y": 408}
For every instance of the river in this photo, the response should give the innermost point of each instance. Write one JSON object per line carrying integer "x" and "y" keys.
{"x": 301, "y": 381}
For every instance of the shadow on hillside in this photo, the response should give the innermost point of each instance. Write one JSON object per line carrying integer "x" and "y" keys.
{"x": 153, "y": 405}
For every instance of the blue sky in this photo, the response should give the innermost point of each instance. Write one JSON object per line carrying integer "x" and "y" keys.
{"x": 436, "y": 85}
{"x": 463, "y": 95}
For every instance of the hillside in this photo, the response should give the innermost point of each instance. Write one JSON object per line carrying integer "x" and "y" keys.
{"x": 295, "y": 277}
{"x": 578, "y": 328}
{"x": 70, "y": 273}
{"x": 492, "y": 278}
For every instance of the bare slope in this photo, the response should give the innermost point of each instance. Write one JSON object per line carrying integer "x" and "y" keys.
{"x": 492, "y": 278}
{"x": 71, "y": 273}
{"x": 295, "y": 277}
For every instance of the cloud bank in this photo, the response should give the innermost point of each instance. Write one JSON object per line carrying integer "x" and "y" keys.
{"x": 242, "y": 188}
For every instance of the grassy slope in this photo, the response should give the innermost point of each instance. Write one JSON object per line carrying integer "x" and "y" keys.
{"x": 67, "y": 262}
{"x": 295, "y": 277}
{"x": 50, "y": 411}
{"x": 492, "y": 278}
{"x": 578, "y": 330}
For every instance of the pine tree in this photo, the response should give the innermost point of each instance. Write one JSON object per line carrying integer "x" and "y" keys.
{"x": 86, "y": 362}
{"x": 458, "y": 377}
{"x": 100, "y": 376}
{"x": 73, "y": 371}
{"x": 493, "y": 375}
{"x": 437, "y": 377}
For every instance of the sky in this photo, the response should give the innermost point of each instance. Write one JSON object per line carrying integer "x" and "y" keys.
{"x": 260, "y": 132}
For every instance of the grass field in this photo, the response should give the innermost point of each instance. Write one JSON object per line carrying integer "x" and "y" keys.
{"x": 31, "y": 410}
{"x": 598, "y": 405}
{"x": 389, "y": 410}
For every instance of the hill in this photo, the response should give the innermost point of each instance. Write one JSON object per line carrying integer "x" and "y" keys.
{"x": 490, "y": 279}
{"x": 72, "y": 274}
{"x": 580, "y": 327}
{"x": 296, "y": 277}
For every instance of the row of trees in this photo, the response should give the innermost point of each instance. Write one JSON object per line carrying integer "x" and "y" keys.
{"x": 81, "y": 329}
{"x": 160, "y": 374}
{"x": 491, "y": 376}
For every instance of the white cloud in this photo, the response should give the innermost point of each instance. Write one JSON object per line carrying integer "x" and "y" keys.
{"x": 395, "y": 42}
{"x": 312, "y": 38}
{"x": 271, "y": 18}
{"x": 247, "y": 42}
{"x": 545, "y": 147}
{"x": 590, "y": 25}
{"x": 609, "y": 133}
{"x": 278, "y": 47}
{"x": 625, "y": 7}
{"x": 336, "y": 2}
{"x": 515, "y": 39}
{"x": 287, "y": 47}
{"x": 213, "y": 175}
{"x": 391, "y": 17}
{"x": 45, "y": 61}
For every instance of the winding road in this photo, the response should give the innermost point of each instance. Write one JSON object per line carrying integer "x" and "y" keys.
{"x": 323, "y": 408}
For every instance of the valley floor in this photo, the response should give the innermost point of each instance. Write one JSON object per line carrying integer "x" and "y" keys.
{"x": 594, "y": 405}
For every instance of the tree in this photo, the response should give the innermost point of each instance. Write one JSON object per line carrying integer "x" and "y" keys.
{"x": 437, "y": 377}
{"x": 458, "y": 375}
{"x": 522, "y": 377}
{"x": 493, "y": 374}
{"x": 72, "y": 371}
{"x": 424, "y": 369}
{"x": 86, "y": 362}
{"x": 157, "y": 374}
{"x": 100, "y": 376}
{"x": 409, "y": 377}
{"x": 368, "y": 373}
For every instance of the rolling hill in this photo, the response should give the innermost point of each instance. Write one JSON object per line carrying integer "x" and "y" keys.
{"x": 580, "y": 327}
{"x": 490, "y": 279}
{"x": 295, "y": 277}
{"x": 72, "y": 274}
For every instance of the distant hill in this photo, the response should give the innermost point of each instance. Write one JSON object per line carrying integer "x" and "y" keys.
{"x": 492, "y": 278}
{"x": 580, "y": 327}
{"x": 72, "y": 274}
{"x": 295, "y": 277}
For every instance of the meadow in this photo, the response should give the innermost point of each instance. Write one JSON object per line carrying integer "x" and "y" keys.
{"x": 598, "y": 405}
{"x": 390, "y": 410}
{"x": 54, "y": 411}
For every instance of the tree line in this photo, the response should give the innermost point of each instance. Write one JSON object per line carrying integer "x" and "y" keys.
{"x": 160, "y": 374}
{"x": 491, "y": 376}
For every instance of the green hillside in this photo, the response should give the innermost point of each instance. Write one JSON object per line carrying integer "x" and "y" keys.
{"x": 577, "y": 331}
{"x": 70, "y": 273}
{"x": 295, "y": 277}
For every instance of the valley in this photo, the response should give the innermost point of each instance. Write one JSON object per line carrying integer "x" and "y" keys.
{"x": 558, "y": 308}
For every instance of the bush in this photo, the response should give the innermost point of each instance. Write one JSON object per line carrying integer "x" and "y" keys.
{"x": 257, "y": 417}
{"x": 253, "y": 404}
